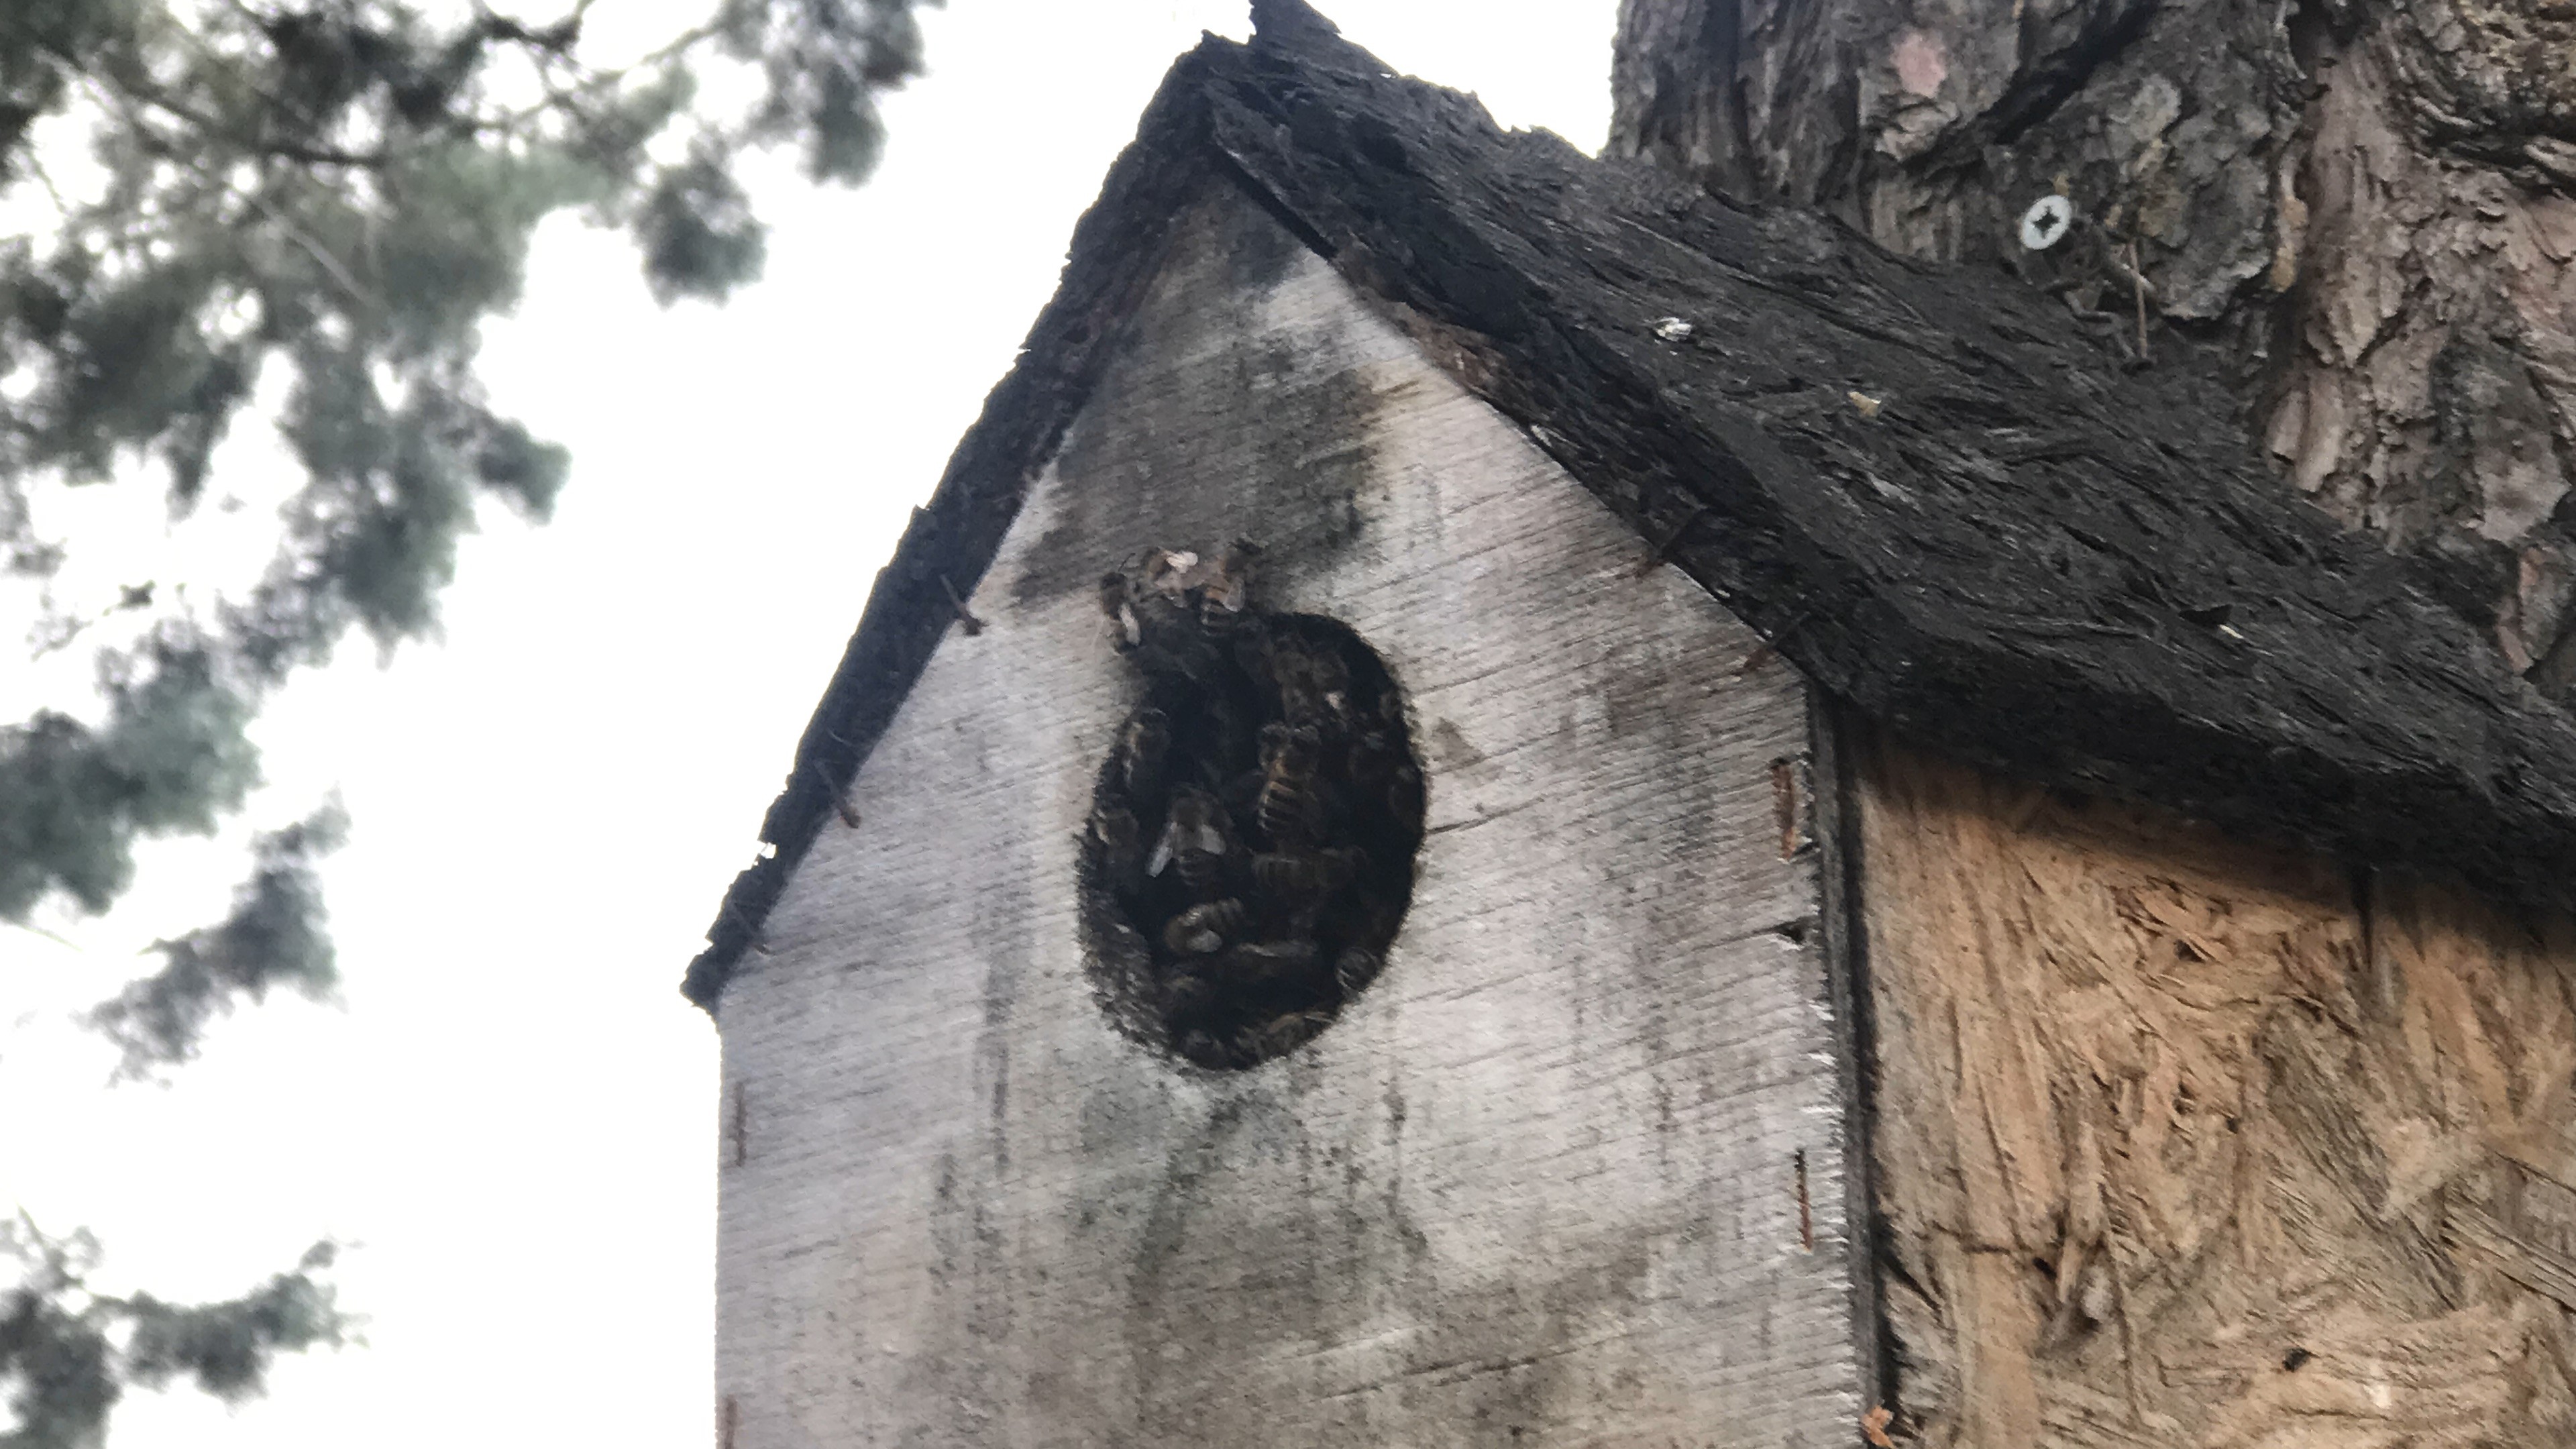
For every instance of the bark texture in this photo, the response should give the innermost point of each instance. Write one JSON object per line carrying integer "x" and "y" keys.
{"x": 2369, "y": 205}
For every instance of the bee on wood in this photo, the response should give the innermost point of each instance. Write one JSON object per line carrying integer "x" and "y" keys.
{"x": 1373, "y": 760}
{"x": 1328, "y": 674}
{"x": 1291, "y": 807}
{"x": 1203, "y": 1049}
{"x": 1249, "y": 643}
{"x": 1225, "y": 739}
{"x": 1196, "y": 841}
{"x": 1142, "y": 748}
{"x": 1187, "y": 998}
{"x": 1272, "y": 963}
{"x": 1225, "y": 598}
{"x": 1299, "y": 882}
{"x": 1354, "y": 969}
{"x": 1202, "y": 929}
{"x": 1157, "y": 626}
{"x": 1405, "y": 800}
{"x": 1122, "y": 846}
{"x": 1292, "y": 674}
{"x": 1281, "y": 1034}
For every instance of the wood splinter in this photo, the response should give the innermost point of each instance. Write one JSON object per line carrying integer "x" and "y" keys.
{"x": 1806, "y": 1208}
{"x": 965, "y": 617}
{"x": 2138, "y": 289}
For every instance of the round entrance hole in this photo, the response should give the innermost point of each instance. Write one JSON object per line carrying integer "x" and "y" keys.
{"x": 1252, "y": 835}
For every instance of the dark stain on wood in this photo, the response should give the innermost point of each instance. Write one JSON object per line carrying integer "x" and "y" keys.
{"x": 1806, "y": 1208}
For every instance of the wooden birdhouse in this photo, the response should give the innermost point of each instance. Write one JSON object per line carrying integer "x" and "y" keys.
{"x": 1501, "y": 804}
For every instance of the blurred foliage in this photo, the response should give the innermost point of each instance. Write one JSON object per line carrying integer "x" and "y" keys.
{"x": 67, "y": 1353}
{"x": 273, "y": 937}
{"x": 330, "y": 196}
{"x": 344, "y": 189}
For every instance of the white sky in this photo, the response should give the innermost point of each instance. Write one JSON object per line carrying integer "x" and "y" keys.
{"x": 513, "y": 1115}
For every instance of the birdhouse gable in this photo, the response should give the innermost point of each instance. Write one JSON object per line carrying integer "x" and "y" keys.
{"x": 1568, "y": 1137}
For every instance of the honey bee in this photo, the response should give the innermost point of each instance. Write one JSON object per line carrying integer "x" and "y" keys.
{"x": 1195, "y": 841}
{"x": 1142, "y": 747}
{"x": 1292, "y": 674}
{"x": 1354, "y": 969}
{"x": 1202, "y": 929}
{"x": 1225, "y": 599}
{"x": 1328, "y": 674}
{"x": 1291, "y": 807}
{"x": 1300, "y": 883}
{"x": 1187, "y": 998}
{"x": 1373, "y": 759}
{"x": 1281, "y": 1034}
{"x": 1121, "y": 843}
{"x": 1157, "y": 627}
{"x": 1294, "y": 877}
{"x": 1405, "y": 800}
{"x": 1113, "y": 600}
{"x": 1272, "y": 963}
{"x": 1203, "y": 1049}
{"x": 1167, "y": 571}
{"x": 1225, "y": 738}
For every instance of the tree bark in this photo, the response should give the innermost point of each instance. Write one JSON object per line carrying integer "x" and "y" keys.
{"x": 2373, "y": 207}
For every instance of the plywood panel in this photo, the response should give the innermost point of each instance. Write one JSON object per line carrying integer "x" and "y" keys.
{"x": 2182, "y": 1141}
{"x": 1569, "y": 1174}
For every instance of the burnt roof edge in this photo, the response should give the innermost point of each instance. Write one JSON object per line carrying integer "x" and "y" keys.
{"x": 1117, "y": 248}
{"x": 1300, "y": 120}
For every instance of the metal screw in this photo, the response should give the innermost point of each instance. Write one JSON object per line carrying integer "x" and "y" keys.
{"x": 2047, "y": 222}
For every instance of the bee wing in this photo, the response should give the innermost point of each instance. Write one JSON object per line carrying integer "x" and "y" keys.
{"x": 1127, "y": 622}
{"x": 1162, "y": 855}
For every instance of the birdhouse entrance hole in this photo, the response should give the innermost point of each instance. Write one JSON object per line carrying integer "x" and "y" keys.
{"x": 1252, "y": 835}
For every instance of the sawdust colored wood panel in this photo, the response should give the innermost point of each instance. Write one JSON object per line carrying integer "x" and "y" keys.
{"x": 2182, "y": 1141}
{"x": 1540, "y": 1185}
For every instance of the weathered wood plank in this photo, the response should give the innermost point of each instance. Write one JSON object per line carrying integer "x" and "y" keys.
{"x": 1541, "y": 1184}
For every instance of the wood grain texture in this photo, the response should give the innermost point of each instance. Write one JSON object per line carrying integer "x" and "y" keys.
{"x": 1539, "y": 1185}
{"x": 2186, "y": 1142}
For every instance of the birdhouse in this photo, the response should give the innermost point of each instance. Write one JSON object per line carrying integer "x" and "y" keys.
{"x": 1499, "y": 803}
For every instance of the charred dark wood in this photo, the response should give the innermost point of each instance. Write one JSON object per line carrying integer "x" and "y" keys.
{"x": 1932, "y": 490}
{"x": 1938, "y": 493}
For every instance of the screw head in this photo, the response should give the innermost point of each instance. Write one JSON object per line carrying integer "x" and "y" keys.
{"x": 2047, "y": 222}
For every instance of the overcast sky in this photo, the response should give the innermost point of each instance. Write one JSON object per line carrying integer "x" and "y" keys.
{"x": 513, "y": 1112}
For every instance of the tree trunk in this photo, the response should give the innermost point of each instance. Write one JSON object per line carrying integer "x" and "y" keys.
{"x": 2368, "y": 206}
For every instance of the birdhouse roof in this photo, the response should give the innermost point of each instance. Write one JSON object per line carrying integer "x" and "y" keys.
{"x": 1954, "y": 508}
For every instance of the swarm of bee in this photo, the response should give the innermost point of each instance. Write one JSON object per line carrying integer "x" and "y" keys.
{"x": 1251, "y": 843}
